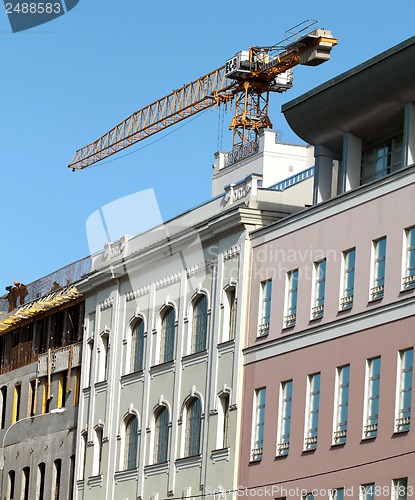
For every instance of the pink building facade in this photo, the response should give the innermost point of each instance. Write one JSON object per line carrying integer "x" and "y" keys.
{"x": 328, "y": 372}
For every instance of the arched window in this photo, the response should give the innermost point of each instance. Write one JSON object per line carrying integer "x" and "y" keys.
{"x": 167, "y": 335}
{"x": 161, "y": 437}
{"x": 137, "y": 347}
{"x": 131, "y": 443}
{"x": 193, "y": 428}
{"x": 199, "y": 324}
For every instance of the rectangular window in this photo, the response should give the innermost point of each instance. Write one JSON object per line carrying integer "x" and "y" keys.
{"x": 347, "y": 293}
{"x": 265, "y": 304}
{"x": 284, "y": 423}
{"x": 409, "y": 259}
{"x": 32, "y": 397}
{"x": 337, "y": 494}
{"x": 400, "y": 487}
{"x": 372, "y": 390}
{"x": 341, "y": 404}
{"x": 317, "y": 310}
{"x": 16, "y": 402}
{"x": 382, "y": 159}
{"x": 291, "y": 299}
{"x": 367, "y": 491}
{"x": 231, "y": 296}
{"x": 307, "y": 496}
{"x": 378, "y": 269}
{"x": 312, "y": 411}
{"x": 11, "y": 484}
{"x": 3, "y": 406}
{"x": 259, "y": 420}
{"x": 61, "y": 390}
{"x": 77, "y": 386}
{"x": 404, "y": 390}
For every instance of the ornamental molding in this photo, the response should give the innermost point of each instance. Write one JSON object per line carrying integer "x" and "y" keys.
{"x": 135, "y": 294}
{"x": 200, "y": 268}
{"x": 232, "y": 253}
{"x": 106, "y": 304}
{"x": 170, "y": 280}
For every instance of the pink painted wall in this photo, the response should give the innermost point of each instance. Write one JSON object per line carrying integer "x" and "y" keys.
{"x": 353, "y": 349}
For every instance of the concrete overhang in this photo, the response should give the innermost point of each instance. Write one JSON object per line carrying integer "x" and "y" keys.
{"x": 367, "y": 101}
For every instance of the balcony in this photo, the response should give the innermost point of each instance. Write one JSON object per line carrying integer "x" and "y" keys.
{"x": 60, "y": 359}
{"x": 403, "y": 424}
{"x": 339, "y": 437}
{"x": 377, "y": 292}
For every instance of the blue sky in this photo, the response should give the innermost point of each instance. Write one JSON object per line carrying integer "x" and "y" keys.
{"x": 67, "y": 82}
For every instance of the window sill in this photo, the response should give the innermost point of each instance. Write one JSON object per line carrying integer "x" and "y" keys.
{"x": 195, "y": 358}
{"x": 338, "y": 445}
{"x": 367, "y": 439}
{"x": 400, "y": 432}
{"x": 309, "y": 450}
{"x": 255, "y": 461}
{"x": 126, "y": 475}
{"x": 188, "y": 462}
{"x": 154, "y": 469}
{"x": 162, "y": 368}
{"x": 220, "y": 455}
{"x": 375, "y": 299}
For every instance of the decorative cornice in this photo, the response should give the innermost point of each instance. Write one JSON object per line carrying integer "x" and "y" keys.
{"x": 200, "y": 268}
{"x": 140, "y": 292}
{"x": 232, "y": 252}
{"x": 170, "y": 280}
{"x": 106, "y": 304}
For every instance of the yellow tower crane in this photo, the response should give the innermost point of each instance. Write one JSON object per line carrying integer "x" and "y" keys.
{"x": 247, "y": 78}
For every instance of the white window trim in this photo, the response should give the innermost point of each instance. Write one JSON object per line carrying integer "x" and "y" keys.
{"x": 346, "y": 302}
{"x": 283, "y": 448}
{"x": 290, "y": 320}
{"x": 254, "y": 424}
{"x": 398, "y": 425}
{"x": 336, "y": 405}
{"x": 263, "y": 328}
{"x": 408, "y": 282}
{"x": 366, "y": 395}
{"x": 372, "y": 287}
{"x": 317, "y": 311}
{"x": 309, "y": 440}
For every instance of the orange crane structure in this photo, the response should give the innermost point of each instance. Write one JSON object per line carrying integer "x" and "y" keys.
{"x": 247, "y": 79}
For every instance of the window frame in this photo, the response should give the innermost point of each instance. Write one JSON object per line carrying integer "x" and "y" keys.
{"x": 402, "y": 414}
{"x": 284, "y": 416}
{"x": 200, "y": 321}
{"x": 193, "y": 427}
{"x": 340, "y": 427}
{"x": 319, "y": 289}
{"x": 158, "y": 456}
{"x": 167, "y": 334}
{"x": 313, "y": 393}
{"x": 377, "y": 291}
{"x": 264, "y": 313}
{"x": 408, "y": 259}
{"x": 137, "y": 346}
{"x": 347, "y": 288}
{"x": 258, "y": 424}
{"x": 291, "y": 298}
{"x": 130, "y": 454}
{"x": 370, "y": 429}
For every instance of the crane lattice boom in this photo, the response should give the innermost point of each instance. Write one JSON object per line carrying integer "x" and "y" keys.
{"x": 247, "y": 78}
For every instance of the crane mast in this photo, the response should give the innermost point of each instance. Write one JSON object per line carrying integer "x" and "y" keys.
{"x": 247, "y": 78}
